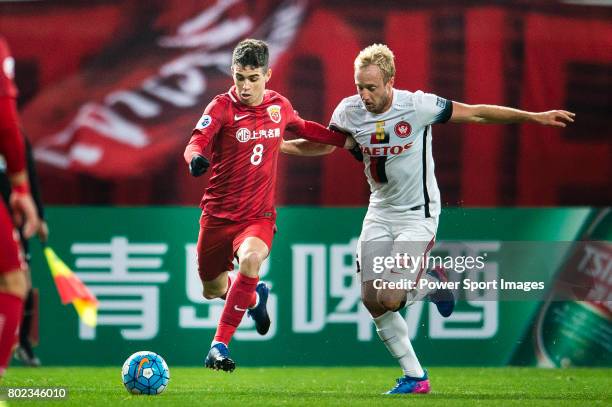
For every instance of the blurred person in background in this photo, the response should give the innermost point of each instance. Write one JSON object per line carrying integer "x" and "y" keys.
{"x": 25, "y": 350}
{"x": 13, "y": 279}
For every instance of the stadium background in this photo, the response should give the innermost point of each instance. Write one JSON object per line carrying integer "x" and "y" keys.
{"x": 110, "y": 91}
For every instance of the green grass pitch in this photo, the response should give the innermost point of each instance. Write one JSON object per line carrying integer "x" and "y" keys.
{"x": 355, "y": 386}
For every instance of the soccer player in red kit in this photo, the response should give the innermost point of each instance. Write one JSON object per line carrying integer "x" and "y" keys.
{"x": 13, "y": 283}
{"x": 246, "y": 127}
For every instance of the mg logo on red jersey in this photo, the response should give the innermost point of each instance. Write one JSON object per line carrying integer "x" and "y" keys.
{"x": 274, "y": 112}
{"x": 403, "y": 129}
{"x": 243, "y": 135}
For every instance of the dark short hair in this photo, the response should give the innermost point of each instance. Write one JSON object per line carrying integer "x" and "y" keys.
{"x": 251, "y": 52}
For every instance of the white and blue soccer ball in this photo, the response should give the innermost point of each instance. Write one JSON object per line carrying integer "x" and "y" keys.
{"x": 145, "y": 372}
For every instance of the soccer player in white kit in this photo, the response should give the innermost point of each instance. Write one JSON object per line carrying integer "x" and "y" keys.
{"x": 393, "y": 132}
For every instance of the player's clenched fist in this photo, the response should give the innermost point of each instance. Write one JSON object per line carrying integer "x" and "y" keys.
{"x": 198, "y": 165}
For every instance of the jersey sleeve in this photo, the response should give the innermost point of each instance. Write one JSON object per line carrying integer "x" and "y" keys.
{"x": 11, "y": 141}
{"x": 432, "y": 109}
{"x": 7, "y": 71}
{"x": 211, "y": 122}
{"x": 338, "y": 120}
{"x": 12, "y": 145}
{"x": 294, "y": 120}
{"x": 313, "y": 131}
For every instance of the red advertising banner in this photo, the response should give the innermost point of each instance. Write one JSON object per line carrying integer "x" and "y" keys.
{"x": 110, "y": 92}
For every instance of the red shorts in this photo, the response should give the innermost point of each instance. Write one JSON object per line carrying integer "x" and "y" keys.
{"x": 220, "y": 239}
{"x": 10, "y": 254}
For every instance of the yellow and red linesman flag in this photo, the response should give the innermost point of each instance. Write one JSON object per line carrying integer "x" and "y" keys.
{"x": 71, "y": 289}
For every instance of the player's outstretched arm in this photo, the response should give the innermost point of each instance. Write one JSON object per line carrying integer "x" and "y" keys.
{"x": 305, "y": 148}
{"x": 464, "y": 113}
{"x": 317, "y": 133}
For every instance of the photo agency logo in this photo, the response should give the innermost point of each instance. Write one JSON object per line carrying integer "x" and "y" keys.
{"x": 413, "y": 257}
{"x": 492, "y": 270}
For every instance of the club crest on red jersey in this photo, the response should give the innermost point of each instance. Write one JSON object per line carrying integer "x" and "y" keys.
{"x": 274, "y": 112}
{"x": 403, "y": 129}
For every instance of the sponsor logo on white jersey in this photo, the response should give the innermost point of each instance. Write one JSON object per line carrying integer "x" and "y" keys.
{"x": 385, "y": 150}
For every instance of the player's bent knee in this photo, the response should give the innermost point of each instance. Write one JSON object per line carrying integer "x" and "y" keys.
{"x": 369, "y": 298}
{"x": 392, "y": 301}
{"x": 391, "y": 305}
{"x": 250, "y": 263}
{"x": 211, "y": 292}
{"x": 210, "y": 295}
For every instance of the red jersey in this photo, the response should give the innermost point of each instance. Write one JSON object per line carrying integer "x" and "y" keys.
{"x": 7, "y": 71}
{"x": 11, "y": 141}
{"x": 246, "y": 142}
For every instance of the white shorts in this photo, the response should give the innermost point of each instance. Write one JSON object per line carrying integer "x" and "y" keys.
{"x": 413, "y": 235}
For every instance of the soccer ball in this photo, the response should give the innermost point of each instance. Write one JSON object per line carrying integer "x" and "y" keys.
{"x": 145, "y": 373}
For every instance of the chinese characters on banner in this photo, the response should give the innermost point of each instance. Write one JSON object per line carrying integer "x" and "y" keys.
{"x": 127, "y": 278}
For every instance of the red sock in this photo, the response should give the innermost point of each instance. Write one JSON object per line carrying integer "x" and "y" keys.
{"x": 11, "y": 310}
{"x": 239, "y": 299}
{"x": 229, "y": 285}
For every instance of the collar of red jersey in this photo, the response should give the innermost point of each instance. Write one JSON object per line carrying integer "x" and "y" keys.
{"x": 233, "y": 94}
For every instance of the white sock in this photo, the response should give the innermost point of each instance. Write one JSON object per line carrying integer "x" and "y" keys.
{"x": 393, "y": 331}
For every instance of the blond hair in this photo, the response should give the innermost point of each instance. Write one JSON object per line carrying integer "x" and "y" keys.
{"x": 379, "y": 55}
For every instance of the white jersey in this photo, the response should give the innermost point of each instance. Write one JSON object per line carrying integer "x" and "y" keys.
{"x": 396, "y": 148}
